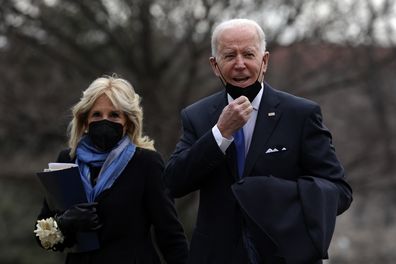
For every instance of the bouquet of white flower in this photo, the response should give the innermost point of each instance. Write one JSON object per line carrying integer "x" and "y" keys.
{"x": 48, "y": 232}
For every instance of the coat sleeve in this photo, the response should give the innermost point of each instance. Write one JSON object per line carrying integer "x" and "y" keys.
{"x": 319, "y": 161}
{"x": 168, "y": 230}
{"x": 193, "y": 160}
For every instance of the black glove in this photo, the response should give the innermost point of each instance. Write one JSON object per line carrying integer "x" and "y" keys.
{"x": 80, "y": 217}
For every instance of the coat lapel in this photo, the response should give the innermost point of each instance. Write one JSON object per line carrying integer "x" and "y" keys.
{"x": 217, "y": 107}
{"x": 267, "y": 119}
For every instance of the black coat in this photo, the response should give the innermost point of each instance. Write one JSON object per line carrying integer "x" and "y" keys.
{"x": 289, "y": 197}
{"x": 136, "y": 203}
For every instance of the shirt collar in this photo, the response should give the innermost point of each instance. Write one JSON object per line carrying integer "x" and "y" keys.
{"x": 256, "y": 100}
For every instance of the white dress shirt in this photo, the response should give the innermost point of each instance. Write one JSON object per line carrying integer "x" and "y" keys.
{"x": 248, "y": 128}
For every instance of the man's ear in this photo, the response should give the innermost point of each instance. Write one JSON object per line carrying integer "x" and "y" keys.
{"x": 215, "y": 67}
{"x": 265, "y": 61}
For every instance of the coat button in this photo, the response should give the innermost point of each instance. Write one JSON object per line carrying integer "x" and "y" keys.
{"x": 241, "y": 181}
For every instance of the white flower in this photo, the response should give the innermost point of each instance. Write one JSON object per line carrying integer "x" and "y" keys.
{"x": 48, "y": 232}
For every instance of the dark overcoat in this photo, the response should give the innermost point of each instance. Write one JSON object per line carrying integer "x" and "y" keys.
{"x": 293, "y": 185}
{"x": 136, "y": 203}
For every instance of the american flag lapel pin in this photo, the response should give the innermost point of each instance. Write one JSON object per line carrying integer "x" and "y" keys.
{"x": 271, "y": 114}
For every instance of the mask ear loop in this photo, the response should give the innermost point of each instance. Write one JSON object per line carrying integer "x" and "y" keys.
{"x": 128, "y": 124}
{"x": 222, "y": 79}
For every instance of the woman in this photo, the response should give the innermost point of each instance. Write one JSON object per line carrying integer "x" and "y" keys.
{"x": 121, "y": 175}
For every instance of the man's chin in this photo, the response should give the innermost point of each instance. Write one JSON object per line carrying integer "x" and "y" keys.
{"x": 242, "y": 84}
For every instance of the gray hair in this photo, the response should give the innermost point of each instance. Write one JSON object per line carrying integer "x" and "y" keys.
{"x": 238, "y": 22}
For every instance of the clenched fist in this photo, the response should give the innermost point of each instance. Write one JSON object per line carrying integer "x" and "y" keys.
{"x": 234, "y": 116}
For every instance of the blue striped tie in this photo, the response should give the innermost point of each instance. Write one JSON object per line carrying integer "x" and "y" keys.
{"x": 239, "y": 140}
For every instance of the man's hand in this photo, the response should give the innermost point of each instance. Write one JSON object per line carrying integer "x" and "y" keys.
{"x": 234, "y": 116}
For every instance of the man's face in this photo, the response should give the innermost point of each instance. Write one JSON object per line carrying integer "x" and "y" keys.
{"x": 238, "y": 58}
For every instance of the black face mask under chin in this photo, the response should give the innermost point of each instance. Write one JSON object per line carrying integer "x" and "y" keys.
{"x": 105, "y": 134}
{"x": 250, "y": 91}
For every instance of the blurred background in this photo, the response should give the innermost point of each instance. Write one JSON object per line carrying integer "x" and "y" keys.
{"x": 339, "y": 53}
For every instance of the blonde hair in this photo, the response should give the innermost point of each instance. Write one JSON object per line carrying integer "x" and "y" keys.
{"x": 123, "y": 96}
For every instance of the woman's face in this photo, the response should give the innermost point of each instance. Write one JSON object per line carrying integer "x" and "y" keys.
{"x": 103, "y": 108}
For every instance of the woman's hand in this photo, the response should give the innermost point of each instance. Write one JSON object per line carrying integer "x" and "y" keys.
{"x": 80, "y": 217}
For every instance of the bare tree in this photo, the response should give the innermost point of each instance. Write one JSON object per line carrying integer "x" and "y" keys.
{"x": 157, "y": 45}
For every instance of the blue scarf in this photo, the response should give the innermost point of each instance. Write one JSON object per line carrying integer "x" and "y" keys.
{"x": 112, "y": 163}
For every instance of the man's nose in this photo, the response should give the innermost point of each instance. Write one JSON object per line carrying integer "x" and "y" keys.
{"x": 240, "y": 62}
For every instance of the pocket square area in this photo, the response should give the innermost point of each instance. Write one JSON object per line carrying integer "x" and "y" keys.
{"x": 275, "y": 149}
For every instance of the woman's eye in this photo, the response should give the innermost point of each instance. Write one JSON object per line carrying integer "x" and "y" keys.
{"x": 115, "y": 114}
{"x": 95, "y": 114}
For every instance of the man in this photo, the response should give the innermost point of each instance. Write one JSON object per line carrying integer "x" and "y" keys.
{"x": 269, "y": 179}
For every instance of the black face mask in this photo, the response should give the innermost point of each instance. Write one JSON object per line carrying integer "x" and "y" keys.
{"x": 250, "y": 91}
{"x": 105, "y": 134}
